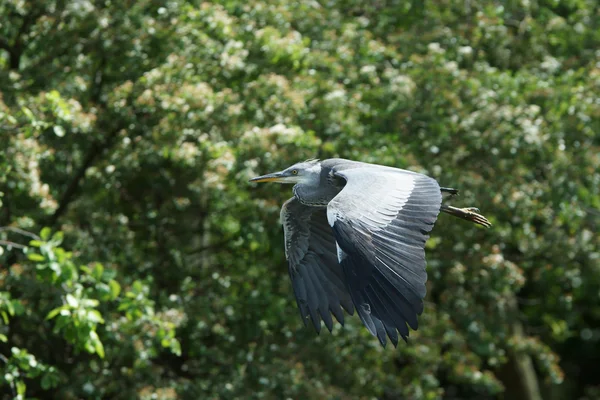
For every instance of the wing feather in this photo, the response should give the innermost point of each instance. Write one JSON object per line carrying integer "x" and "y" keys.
{"x": 317, "y": 278}
{"x": 381, "y": 220}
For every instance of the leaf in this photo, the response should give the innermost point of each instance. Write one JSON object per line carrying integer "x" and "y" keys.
{"x": 35, "y": 243}
{"x": 97, "y": 344}
{"x": 95, "y": 316}
{"x": 62, "y": 321}
{"x": 115, "y": 289}
{"x": 98, "y": 271}
{"x": 50, "y": 378}
{"x": 72, "y": 301}
{"x": 45, "y": 234}
{"x": 27, "y": 113}
{"x": 36, "y": 257}
{"x": 21, "y": 388}
{"x": 85, "y": 269}
{"x": 54, "y": 312}
{"x": 90, "y": 303}
{"x": 59, "y": 131}
{"x": 57, "y": 238}
{"x": 10, "y": 308}
{"x": 46, "y": 382}
{"x": 54, "y": 266}
{"x": 176, "y": 347}
{"x": 17, "y": 307}
{"x": 137, "y": 287}
{"x": 3, "y": 338}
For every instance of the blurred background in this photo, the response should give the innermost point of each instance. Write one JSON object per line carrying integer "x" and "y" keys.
{"x": 137, "y": 262}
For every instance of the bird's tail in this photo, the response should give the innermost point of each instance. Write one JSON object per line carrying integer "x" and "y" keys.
{"x": 469, "y": 214}
{"x": 451, "y": 191}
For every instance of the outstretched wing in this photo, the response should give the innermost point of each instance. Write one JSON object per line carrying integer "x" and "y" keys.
{"x": 316, "y": 275}
{"x": 381, "y": 220}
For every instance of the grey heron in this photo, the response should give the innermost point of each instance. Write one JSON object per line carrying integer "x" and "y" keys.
{"x": 355, "y": 238}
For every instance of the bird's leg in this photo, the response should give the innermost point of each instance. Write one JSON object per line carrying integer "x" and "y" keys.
{"x": 468, "y": 213}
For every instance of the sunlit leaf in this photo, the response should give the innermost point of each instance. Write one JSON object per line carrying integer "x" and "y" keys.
{"x": 35, "y": 257}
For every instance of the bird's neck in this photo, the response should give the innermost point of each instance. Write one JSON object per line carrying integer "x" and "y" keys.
{"x": 314, "y": 194}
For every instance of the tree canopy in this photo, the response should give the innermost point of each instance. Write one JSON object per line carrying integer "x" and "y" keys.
{"x": 138, "y": 262}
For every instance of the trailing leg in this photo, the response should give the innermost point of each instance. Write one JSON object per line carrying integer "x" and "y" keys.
{"x": 469, "y": 214}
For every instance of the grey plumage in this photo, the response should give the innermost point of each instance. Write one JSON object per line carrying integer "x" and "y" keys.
{"x": 316, "y": 275}
{"x": 355, "y": 238}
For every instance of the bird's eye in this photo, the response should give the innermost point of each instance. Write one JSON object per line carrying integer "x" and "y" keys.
{"x": 295, "y": 172}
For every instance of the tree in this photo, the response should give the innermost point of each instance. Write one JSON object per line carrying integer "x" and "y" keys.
{"x": 129, "y": 130}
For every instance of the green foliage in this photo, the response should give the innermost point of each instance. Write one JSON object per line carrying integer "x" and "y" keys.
{"x": 130, "y": 129}
{"x": 76, "y": 300}
{"x": 20, "y": 366}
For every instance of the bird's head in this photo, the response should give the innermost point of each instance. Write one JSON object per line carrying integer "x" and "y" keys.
{"x": 302, "y": 172}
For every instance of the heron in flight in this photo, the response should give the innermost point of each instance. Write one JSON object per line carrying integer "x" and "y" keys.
{"x": 355, "y": 238}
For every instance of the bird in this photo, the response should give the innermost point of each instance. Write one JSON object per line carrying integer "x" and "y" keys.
{"x": 354, "y": 237}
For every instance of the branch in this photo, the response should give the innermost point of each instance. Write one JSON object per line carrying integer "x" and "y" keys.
{"x": 12, "y": 244}
{"x": 29, "y": 20}
{"x": 7, "y": 208}
{"x": 20, "y": 232}
{"x": 209, "y": 247}
{"x": 14, "y": 53}
{"x": 4, "y": 45}
{"x": 518, "y": 375}
{"x": 68, "y": 195}
{"x": 16, "y": 50}
{"x": 592, "y": 211}
{"x": 62, "y": 49}
{"x": 96, "y": 89}
{"x": 12, "y": 383}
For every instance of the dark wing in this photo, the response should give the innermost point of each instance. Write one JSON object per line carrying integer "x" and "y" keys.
{"x": 381, "y": 220}
{"x": 317, "y": 277}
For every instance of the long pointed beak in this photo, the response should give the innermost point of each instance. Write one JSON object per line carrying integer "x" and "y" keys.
{"x": 274, "y": 177}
